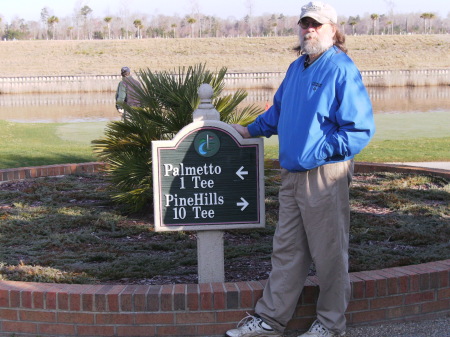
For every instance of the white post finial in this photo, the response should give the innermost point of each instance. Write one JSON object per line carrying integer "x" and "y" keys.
{"x": 205, "y": 110}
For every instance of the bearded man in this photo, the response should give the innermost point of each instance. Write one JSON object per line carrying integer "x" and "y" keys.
{"x": 323, "y": 117}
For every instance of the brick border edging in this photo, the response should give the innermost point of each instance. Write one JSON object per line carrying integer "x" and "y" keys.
{"x": 49, "y": 170}
{"x": 32, "y": 309}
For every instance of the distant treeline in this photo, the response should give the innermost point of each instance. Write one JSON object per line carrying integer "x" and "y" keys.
{"x": 83, "y": 24}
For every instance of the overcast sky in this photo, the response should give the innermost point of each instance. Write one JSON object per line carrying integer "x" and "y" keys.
{"x": 31, "y": 9}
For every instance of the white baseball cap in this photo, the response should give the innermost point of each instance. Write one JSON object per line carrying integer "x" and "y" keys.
{"x": 319, "y": 11}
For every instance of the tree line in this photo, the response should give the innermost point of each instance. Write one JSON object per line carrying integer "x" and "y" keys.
{"x": 83, "y": 24}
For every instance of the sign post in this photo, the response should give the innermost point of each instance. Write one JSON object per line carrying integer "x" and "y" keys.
{"x": 208, "y": 179}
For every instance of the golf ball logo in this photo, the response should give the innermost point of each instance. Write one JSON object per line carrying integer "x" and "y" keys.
{"x": 207, "y": 143}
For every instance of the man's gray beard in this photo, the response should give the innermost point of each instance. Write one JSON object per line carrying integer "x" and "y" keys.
{"x": 314, "y": 46}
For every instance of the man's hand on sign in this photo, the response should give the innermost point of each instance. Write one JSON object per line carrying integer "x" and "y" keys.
{"x": 243, "y": 131}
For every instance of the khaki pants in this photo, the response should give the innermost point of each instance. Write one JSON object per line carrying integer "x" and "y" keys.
{"x": 314, "y": 218}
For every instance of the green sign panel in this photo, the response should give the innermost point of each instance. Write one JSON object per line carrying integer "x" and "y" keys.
{"x": 208, "y": 177}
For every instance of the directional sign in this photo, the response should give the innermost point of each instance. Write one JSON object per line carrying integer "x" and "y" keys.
{"x": 207, "y": 178}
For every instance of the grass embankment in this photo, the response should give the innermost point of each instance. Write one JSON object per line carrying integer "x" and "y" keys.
{"x": 106, "y": 57}
{"x": 66, "y": 230}
{"x": 399, "y": 138}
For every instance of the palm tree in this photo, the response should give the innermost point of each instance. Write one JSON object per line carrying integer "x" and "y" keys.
{"x": 425, "y": 16}
{"x": 167, "y": 102}
{"x": 85, "y": 11}
{"x": 431, "y": 16}
{"x": 138, "y": 24}
{"x": 174, "y": 26}
{"x": 343, "y": 26}
{"x": 390, "y": 24}
{"x": 353, "y": 21}
{"x": 191, "y": 21}
{"x": 108, "y": 20}
{"x": 353, "y": 24}
{"x": 275, "y": 25}
{"x": 69, "y": 30}
{"x": 374, "y": 18}
{"x": 52, "y": 21}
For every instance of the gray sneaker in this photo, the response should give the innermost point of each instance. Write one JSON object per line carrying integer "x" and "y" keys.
{"x": 318, "y": 330}
{"x": 252, "y": 326}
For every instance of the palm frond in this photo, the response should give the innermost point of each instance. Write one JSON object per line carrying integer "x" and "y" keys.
{"x": 227, "y": 104}
{"x": 244, "y": 116}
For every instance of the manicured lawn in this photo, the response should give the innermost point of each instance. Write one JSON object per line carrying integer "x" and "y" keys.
{"x": 402, "y": 137}
{"x": 37, "y": 144}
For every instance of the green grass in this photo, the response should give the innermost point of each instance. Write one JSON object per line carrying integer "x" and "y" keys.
{"x": 81, "y": 133}
{"x": 414, "y": 125}
{"x": 411, "y": 137}
{"x": 403, "y": 137}
{"x": 37, "y": 144}
{"x": 408, "y": 150}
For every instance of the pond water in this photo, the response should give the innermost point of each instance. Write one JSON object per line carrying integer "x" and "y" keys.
{"x": 94, "y": 107}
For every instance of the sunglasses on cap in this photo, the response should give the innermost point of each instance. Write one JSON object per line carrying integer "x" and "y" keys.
{"x": 305, "y": 23}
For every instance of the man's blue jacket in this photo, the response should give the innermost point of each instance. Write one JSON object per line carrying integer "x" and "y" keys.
{"x": 322, "y": 114}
